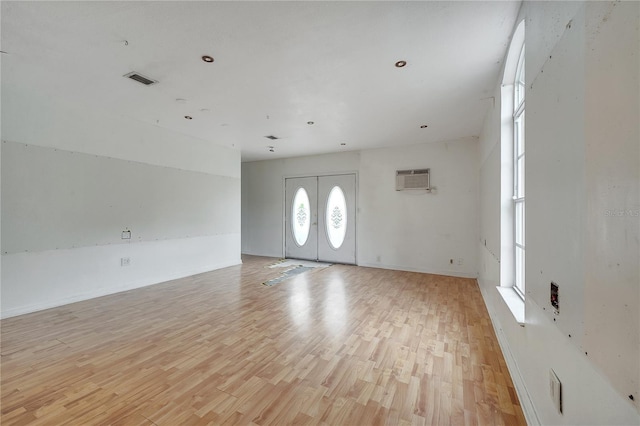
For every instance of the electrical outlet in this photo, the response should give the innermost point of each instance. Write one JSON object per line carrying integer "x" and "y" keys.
{"x": 126, "y": 235}
{"x": 555, "y": 389}
{"x": 125, "y": 261}
{"x": 460, "y": 261}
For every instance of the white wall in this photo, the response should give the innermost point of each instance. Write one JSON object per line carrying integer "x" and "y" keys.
{"x": 401, "y": 230}
{"x": 418, "y": 231}
{"x": 0, "y": 177}
{"x": 582, "y": 159}
{"x": 73, "y": 179}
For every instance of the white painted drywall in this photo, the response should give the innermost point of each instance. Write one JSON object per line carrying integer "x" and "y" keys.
{"x": 407, "y": 230}
{"x": 40, "y": 280}
{"x": 0, "y": 167}
{"x": 582, "y": 161}
{"x": 0, "y": 209}
{"x": 49, "y": 209}
{"x": 36, "y": 119}
{"x": 555, "y": 183}
{"x": 0, "y": 181}
{"x": 612, "y": 218}
{"x": 74, "y": 178}
{"x": 489, "y": 191}
{"x": 415, "y": 230}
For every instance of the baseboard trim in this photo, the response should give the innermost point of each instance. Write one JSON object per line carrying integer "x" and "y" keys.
{"x": 449, "y": 273}
{"x": 528, "y": 408}
{"x": 132, "y": 285}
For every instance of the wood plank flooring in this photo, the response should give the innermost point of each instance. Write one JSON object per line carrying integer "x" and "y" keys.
{"x": 343, "y": 345}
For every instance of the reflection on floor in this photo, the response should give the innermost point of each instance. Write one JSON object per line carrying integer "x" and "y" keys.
{"x": 293, "y": 267}
{"x": 344, "y": 345}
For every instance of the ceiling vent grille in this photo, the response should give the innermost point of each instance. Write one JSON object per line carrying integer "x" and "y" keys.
{"x": 140, "y": 78}
{"x": 413, "y": 179}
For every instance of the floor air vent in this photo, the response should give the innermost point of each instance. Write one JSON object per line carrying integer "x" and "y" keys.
{"x": 412, "y": 179}
{"x": 140, "y": 78}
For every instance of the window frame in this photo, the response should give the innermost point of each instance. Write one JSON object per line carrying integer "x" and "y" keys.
{"x": 519, "y": 123}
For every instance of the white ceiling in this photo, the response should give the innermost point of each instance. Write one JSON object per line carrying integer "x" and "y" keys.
{"x": 277, "y": 66}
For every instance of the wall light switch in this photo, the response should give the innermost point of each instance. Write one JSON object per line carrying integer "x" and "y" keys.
{"x": 125, "y": 261}
{"x": 555, "y": 388}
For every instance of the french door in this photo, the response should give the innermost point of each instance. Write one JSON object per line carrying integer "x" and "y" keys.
{"x": 320, "y": 220}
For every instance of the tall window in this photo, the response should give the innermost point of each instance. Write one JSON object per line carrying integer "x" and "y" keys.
{"x": 518, "y": 175}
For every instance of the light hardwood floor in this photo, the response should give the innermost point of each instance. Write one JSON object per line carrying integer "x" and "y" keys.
{"x": 343, "y": 345}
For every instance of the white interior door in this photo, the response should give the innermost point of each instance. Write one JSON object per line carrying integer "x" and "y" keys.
{"x": 320, "y": 219}
{"x": 301, "y": 218}
{"x": 337, "y": 218}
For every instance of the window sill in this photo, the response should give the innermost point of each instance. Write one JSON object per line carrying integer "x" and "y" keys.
{"x": 514, "y": 302}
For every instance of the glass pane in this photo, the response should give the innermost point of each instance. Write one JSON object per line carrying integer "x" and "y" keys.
{"x": 520, "y": 269}
{"x": 520, "y": 146}
{"x": 336, "y": 217}
{"x": 519, "y": 81}
{"x": 300, "y": 217}
{"x": 520, "y": 223}
{"x": 520, "y": 177}
{"x": 519, "y": 95}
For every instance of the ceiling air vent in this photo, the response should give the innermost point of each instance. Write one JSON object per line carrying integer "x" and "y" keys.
{"x": 140, "y": 78}
{"x": 273, "y": 138}
{"x": 412, "y": 179}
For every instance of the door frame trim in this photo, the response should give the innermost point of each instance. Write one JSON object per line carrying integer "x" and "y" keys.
{"x": 283, "y": 205}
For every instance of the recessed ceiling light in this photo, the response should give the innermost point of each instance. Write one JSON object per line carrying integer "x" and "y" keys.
{"x": 273, "y": 138}
{"x": 207, "y": 58}
{"x": 181, "y": 101}
{"x": 401, "y": 64}
{"x": 310, "y": 123}
{"x": 188, "y": 117}
{"x": 424, "y": 126}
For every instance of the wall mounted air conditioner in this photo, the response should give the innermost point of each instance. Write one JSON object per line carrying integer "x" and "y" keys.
{"x": 412, "y": 179}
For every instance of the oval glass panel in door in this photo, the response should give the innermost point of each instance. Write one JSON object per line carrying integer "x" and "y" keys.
{"x": 336, "y": 217}
{"x": 300, "y": 217}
